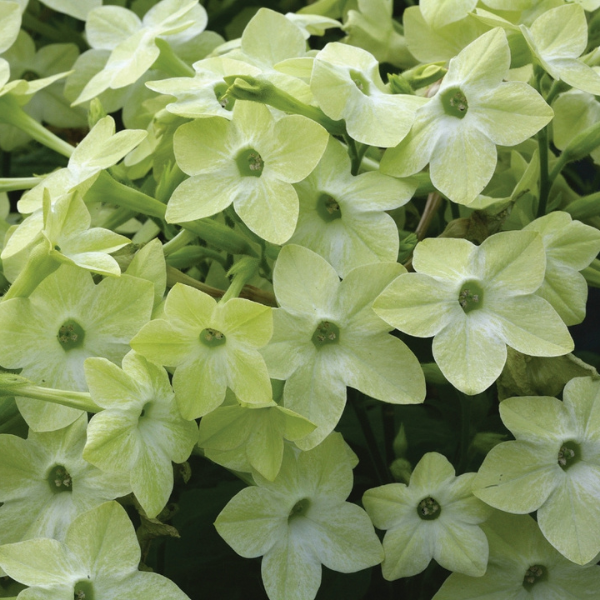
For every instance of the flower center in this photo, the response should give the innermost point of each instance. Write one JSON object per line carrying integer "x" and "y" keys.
{"x": 59, "y": 479}
{"x": 326, "y": 333}
{"x": 534, "y": 574}
{"x": 360, "y": 81}
{"x": 454, "y": 102}
{"x": 328, "y": 208}
{"x": 300, "y": 508}
{"x": 569, "y": 454}
{"x": 30, "y": 76}
{"x": 250, "y": 163}
{"x": 221, "y": 94}
{"x": 145, "y": 412}
{"x": 70, "y": 335}
{"x": 212, "y": 338}
{"x": 83, "y": 590}
{"x": 470, "y": 296}
{"x": 429, "y": 509}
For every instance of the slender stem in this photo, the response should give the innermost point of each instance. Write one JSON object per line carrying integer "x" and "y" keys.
{"x": 118, "y": 217}
{"x": 434, "y": 201}
{"x": 11, "y": 184}
{"x": 379, "y": 467}
{"x": 190, "y": 255}
{"x": 39, "y": 265}
{"x": 12, "y": 114}
{"x": 181, "y": 240}
{"x": 465, "y": 432}
{"x": 250, "y": 292}
{"x": 63, "y": 35}
{"x": 544, "y": 176}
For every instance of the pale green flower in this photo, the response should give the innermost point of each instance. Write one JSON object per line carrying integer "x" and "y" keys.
{"x": 342, "y": 217}
{"x": 212, "y": 347}
{"x": 347, "y": 85}
{"x": 301, "y": 520}
{"x": 435, "y": 517}
{"x": 66, "y": 320}
{"x": 570, "y": 247}
{"x": 141, "y": 431}
{"x": 250, "y": 162}
{"x": 473, "y": 111}
{"x": 522, "y": 566}
{"x": 251, "y": 436}
{"x": 203, "y": 94}
{"x": 45, "y": 483}
{"x": 552, "y": 467}
{"x": 10, "y": 24}
{"x": 438, "y": 13}
{"x": 327, "y": 337}
{"x": 557, "y": 39}
{"x": 476, "y": 300}
{"x": 100, "y": 149}
{"x": 99, "y": 558}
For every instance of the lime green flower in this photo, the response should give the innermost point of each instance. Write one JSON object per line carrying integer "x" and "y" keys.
{"x": 435, "y": 516}
{"x": 250, "y": 162}
{"x": 213, "y": 347}
{"x": 45, "y": 483}
{"x": 132, "y": 41}
{"x": 473, "y": 111}
{"x": 476, "y": 300}
{"x": 301, "y": 520}
{"x": 243, "y": 437}
{"x": 570, "y": 247}
{"x": 557, "y": 39}
{"x": 99, "y": 558}
{"x": 10, "y": 24}
{"x": 140, "y": 431}
{"x": 66, "y": 320}
{"x": 327, "y": 337}
{"x": 342, "y": 217}
{"x": 522, "y": 566}
{"x": 552, "y": 467}
{"x": 346, "y": 83}
{"x": 204, "y": 94}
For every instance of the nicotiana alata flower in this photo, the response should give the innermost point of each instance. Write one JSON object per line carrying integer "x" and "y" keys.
{"x": 476, "y": 300}
{"x": 570, "y": 247}
{"x": 99, "y": 558}
{"x": 473, "y": 110}
{"x": 132, "y": 41}
{"x": 435, "y": 516}
{"x": 45, "y": 483}
{"x": 342, "y": 217}
{"x": 243, "y": 437}
{"x": 326, "y": 337}
{"x": 552, "y": 467}
{"x": 522, "y": 566}
{"x": 10, "y": 24}
{"x": 301, "y": 520}
{"x": 347, "y": 85}
{"x": 140, "y": 431}
{"x": 557, "y": 39}
{"x": 250, "y": 162}
{"x": 212, "y": 347}
{"x": 66, "y": 320}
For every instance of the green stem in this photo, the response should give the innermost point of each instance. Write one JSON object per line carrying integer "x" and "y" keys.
{"x": 592, "y": 273}
{"x": 558, "y": 87}
{"x": 191, "y": 255}
{"x": 39, "y": 265}
{"x": 585, "y": 207}
{"x": 544, "y": 176}
{"x": 118, "y": 217}
{"x": 465, "y": 433}
{"x": 181, "y": 240}
{"x": 15, "y": 385}
{"x": 63, "y": 35}
{"x": 381, "y": 472}
{"x": 12, "y": 184}
{"x": 12, "y": 114}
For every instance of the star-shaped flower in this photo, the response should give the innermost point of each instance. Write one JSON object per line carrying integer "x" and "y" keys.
{"x": 212, "y": 347}
{"x": 301, "y": 520}
{"x": 45, "y": 483}
{"x": 476, "y": 300}
{"x": 473, "y": 111}
{"x": 141, "y": 431}
{"x": 66, "y": 320}
{"x": 250, "y": 162}
{"x": 327, "y": 337}
{"x": 435, "y": 516}
{"x": 552, "y": 467}
{"x": 99, "y": 558}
